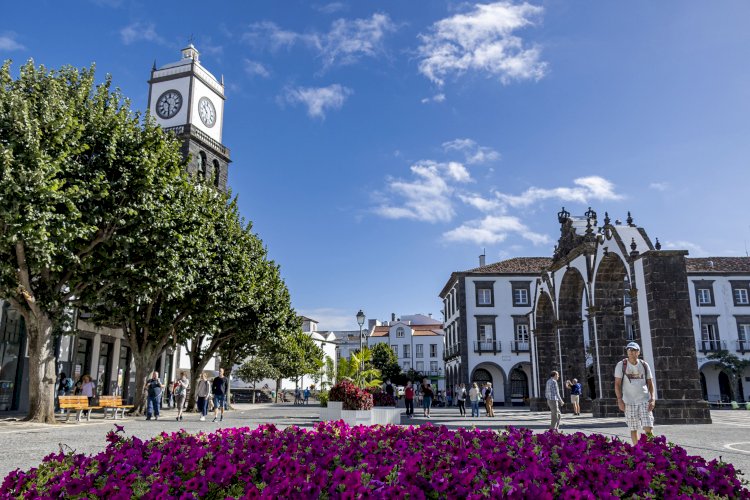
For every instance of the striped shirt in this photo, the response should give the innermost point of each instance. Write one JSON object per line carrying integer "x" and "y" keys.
{"x": 552, "y": 391}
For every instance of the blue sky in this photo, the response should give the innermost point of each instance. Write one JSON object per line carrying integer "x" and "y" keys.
{"x": 379, "y": 146}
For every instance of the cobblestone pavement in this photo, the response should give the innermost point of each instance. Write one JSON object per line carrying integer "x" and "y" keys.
{"x": 24, "y": 444}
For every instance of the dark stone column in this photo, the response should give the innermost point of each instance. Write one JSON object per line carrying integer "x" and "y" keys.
{"x": 672, "y": 339}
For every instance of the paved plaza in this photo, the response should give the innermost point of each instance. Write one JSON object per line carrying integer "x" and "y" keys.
{"x": 24, "y": 444}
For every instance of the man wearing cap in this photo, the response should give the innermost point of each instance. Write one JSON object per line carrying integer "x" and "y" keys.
{"x": 634, "y": 387}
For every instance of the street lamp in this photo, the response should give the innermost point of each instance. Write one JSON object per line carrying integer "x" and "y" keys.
{"x": 360, "y": 322}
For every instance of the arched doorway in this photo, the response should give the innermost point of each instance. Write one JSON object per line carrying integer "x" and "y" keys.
{"x": 571, "y": 303}
{"x": 481, "y": 377}
{"x": 519, "y": 387}
{"x": 725, "y": 387}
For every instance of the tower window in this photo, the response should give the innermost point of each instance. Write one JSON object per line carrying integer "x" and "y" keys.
{"x": 202, "y": 165}
{"x": 216, "y": 173}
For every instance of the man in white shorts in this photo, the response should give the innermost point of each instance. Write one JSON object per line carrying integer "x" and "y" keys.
{"x": 634, "y": 387}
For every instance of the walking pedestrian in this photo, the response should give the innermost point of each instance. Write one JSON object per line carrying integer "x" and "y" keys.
{"x": 306, "y": 394}
{"x": 409, "y": 399}
{"x": 474, "y": 395}
{"x": 554, "y": 400}
{"x": 154, "y": 389}
{"x": 461, "y": 398}
{"x": 219, "y": 390}
{"x": 575, "y": 395}
{"x": 180, "y": 393}
{"x": 489, "y": 400}
{"x": 202, "y": 392}
{"x": 88, "y": 389}
{"x": 427, "y": 396}
{"x": 636, "y": 395}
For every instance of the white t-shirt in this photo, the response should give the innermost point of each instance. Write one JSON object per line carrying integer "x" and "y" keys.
{"x": 634, "y": 387}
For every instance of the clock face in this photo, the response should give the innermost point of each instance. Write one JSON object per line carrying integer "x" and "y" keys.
{"x": 207, "y": 112}
{"x": 168, "y": 104}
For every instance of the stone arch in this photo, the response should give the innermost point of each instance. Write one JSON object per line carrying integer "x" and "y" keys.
{"x": 572, "y": 301}
{"x": 610, "y": 330}
{"x": 202, "y": 165}
{"x": 545, "y": 342}
{"x": 496, "y": 375}
{"x": 216, "y": 173}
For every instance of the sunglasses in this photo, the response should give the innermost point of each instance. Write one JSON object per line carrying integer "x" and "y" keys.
{"x": 631, "y": 349}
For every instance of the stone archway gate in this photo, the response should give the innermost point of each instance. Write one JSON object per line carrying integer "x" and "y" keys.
{"x": 607, "y": 285}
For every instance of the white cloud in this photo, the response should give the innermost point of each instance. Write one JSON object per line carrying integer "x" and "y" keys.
{"x": 588, "y": 188}
{"x": 320, "y": 99}
{"x": 254, "y": 68}
{"x": 9, "y": 43}
{"x": 694, "y": 249}
{"x": 480, "y": 203}
{"x": 137, "y": 32}
{"x": 331, "y": 8}
{"x": 330, "y": 318}
{"x": 494, "y": 229}
{"x": 457, "y": 172}
{"x": 427, "y": 197}
{"x": 473, "y": 152}
{"x": 659, "y": 186}
{"x": 435, "y": 98}
{"x": 482, "y": 40}
{"x": 347, "y": 42}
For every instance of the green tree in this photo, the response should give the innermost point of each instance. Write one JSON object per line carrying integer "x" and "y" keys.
{"x": 76, "y": 167}
{"x": 351, "y": 369}
{"x": 159, "y": 273}
{"x": 385, "y": 360}
{"x": 733, "y": 366}
{"x": 255, "y": 369}
{"x": 293, "y": 353}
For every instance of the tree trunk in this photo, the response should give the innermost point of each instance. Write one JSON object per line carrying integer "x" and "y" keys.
{"x": 145, "y": 362}
{"x": 254, "y": 384}
{"x": 278, "y": 389}
{"x": 42, "y": 369}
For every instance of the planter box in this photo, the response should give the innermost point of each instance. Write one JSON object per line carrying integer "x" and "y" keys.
{"x": 376, "y": 416}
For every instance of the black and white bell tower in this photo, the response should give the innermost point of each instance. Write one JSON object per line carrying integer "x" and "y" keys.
{"x": 188, "y": 100}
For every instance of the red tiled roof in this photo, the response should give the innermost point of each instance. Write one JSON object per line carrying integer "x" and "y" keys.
{"x": 718, "y": 265}
{"x": 516, "y": 265}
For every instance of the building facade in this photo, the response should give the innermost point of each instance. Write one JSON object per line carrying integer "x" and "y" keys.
{"x": 487, "y": 326}
{"x": 418, "y": 342}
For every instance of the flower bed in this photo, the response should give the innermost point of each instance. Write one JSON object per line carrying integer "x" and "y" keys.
{"x": 336, "y": 461}
{"x": 380, "y": 397}
{"x": 351, "y": 396}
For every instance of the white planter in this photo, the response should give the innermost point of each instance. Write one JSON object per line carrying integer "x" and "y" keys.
{"x": 379, "y": 415}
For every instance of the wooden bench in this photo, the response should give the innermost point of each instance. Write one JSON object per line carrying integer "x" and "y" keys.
{"x": 114, "y": 403}
{"x": 78, "y": 403}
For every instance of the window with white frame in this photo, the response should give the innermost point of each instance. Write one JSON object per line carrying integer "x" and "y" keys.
{"x": 485, "y": 333}
{"x": 420, "y": 366}
{"x": 433, "y": 350}
{"x": 710, "y": 334}
{"x": 743, "y": 331}
{"x": 484, "y": 292}
{"x": 407, "y": 366}
{"x": 521, "y": 293}
{"x": 522, "y": 332}
{"x": 407, "y": 351}
{"x": 395, "y": 350}
{"x": 704, "y": 296}
{"x": 420, "y": 350}
{"x": 399, "y": 332}
{"x": 704, "y": 292}
{"x": 433, "y": 366}
{"x": 741, "y": 292}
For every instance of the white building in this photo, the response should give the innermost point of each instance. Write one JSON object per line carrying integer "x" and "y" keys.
{"x": 487, "y": 326}
{"x": 720, "y": 299}
{"x": 418, "y": 342}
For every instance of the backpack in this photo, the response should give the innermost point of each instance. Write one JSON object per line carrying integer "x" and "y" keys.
{"x": 646, "y": 369}
{"x": 179, "y": 389}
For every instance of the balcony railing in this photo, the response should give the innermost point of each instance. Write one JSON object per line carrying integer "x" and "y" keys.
{"x": 743, "y": 346}
{"x": 711, "y": 345}
{"x": 452, "y": 350}
{"x": 518, "y": 346}
{"x": 487, "y": 346}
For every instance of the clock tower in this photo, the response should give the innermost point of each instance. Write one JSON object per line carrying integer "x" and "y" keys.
{"x": 188, "y": 100}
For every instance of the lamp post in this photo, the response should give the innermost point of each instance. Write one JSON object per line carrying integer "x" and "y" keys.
{"x": 360, "y": 322}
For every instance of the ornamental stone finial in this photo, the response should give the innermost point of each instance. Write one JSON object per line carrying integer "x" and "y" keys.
{"x": 629, "y": 220}
{"x": 658, "y": 245}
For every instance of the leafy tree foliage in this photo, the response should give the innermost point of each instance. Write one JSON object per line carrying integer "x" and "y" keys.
{"x": 385, "y": 360}
{"x": 256, "y": 369}
{"x": 351, "y": 369}
{"x": 733, "y": 366}
{"x": 293, "y": 353}
{"x": 76, "y": 168}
